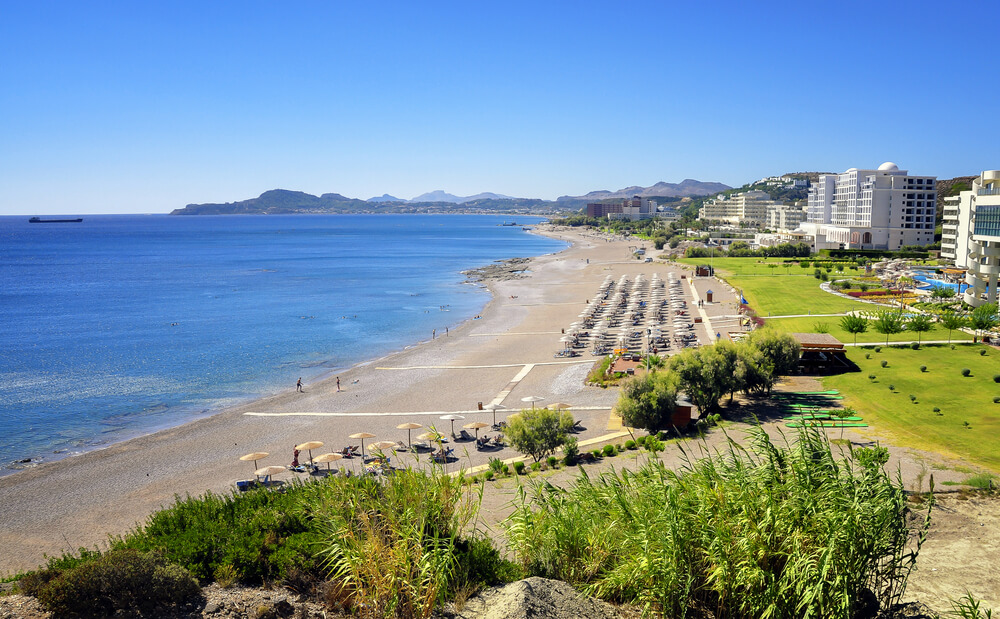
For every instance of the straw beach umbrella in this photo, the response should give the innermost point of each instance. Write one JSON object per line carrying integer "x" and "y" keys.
{"x": 362, "y": 436}
{"x": 254, "y": 457}
{"x": 433, "y": 435}
{"x": 409, "y": 427}
{"x": 328, "y": 458}
{"x": 559, "y": 406}
{"x": 309, "y": 446}
{"x": 476, "y": 425}
{"x": 268, "y": 471}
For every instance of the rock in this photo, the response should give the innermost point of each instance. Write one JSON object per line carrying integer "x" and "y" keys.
{"x": 539, "y": 598}
{"x": 211, "y": 608}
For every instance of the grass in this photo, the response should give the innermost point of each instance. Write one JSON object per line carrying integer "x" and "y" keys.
{"x": 808, "y": 324}
{"x": 779, "y": 294}
{"x": 960, "y": 399}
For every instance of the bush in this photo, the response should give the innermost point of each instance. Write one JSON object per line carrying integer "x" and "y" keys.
{"x": 610, "y": 451}
{"x": 982, "y": 352}
{"x": 496, "y": 465}
{"x": 953, "y": 347}
{"x": 538, "y": 432}
{"x": 488, "y": 475}
{"x": 123, "y": 580}
{"x": 552, "y": 461}
{"x": 570, "y": 451}
{"x": 871, "y": 377}
{"x": 878, "y": 349}
{"x": 519, "y": 468}
{"x": 536, "y": 466}
{"x": 630, "y": 444}
{"x": 884, "y": 363}
{"x": 915, "y": 345}
{"x": 996, "y": 400}
{"x": 996, "y": 378}
{"x": 966, "y": 372}
{"x": 937, "y": 410}
{"x": 923, "y": 368}
{"x": 868, "y": 355}
{"x": 597, "y": 453}
{"x": 913, "y": 398}
{"x": 892, "y": 387}
{"x": 505, "y": 469}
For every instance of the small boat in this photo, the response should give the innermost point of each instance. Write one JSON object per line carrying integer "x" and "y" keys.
{"x": 38, "y": 220}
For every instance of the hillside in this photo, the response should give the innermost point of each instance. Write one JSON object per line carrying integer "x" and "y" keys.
{"x": 686, "y": 188}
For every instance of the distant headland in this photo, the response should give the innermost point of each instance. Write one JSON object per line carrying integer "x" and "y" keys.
{"x": 283, "y": 202}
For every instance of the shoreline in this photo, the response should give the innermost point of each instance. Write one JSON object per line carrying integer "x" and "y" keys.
{"x": 80, "y": 500}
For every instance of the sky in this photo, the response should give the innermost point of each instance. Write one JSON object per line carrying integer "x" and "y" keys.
{"x": 144, "y": 107}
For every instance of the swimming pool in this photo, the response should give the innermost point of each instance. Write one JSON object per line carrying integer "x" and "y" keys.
{"x": 939, "y": 283}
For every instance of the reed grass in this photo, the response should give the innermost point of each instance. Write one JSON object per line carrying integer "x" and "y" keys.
{"x": 765, "y": 530}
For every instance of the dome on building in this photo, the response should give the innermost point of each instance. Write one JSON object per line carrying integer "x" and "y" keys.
{"x": 888, "y": 166}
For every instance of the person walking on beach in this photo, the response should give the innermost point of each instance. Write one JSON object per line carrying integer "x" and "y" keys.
{"x": 338, "y": 383}
{"x": 433, "y": 333}
{"x": 298, "y": 385}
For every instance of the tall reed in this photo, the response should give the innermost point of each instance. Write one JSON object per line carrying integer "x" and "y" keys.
{"x": 755, "y": 531}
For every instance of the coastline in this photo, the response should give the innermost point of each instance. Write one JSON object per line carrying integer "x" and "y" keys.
{"x": 80, "y": 500}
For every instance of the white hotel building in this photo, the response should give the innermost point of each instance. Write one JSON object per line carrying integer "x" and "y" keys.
{"x": 971, "y": 236}
{"x": 871, "y": 209}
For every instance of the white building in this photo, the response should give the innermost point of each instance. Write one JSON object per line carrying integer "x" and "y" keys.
{"x": 748, "y": 209}
{"x": 872, "y": 209}
{"x": 784, "y": 218}
{"x": 971, "y": 236}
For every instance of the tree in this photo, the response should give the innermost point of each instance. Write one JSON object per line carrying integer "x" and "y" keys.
{"x": 888, "y": 323}
{"x": 538, "y": 432}
{"x": 919, "y": 323}
{"x": 984, "y": 317}
{"x": 779, "y": 353}
{"x": 854, "y": 324}
{"x": 952, "y": 321}
{"x": 648, "y": 401}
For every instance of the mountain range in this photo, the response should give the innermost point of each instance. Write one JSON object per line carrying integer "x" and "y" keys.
{"x": 283, "y": 201}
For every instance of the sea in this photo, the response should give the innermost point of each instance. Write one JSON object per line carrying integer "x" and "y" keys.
{"x": 126, "y": 324}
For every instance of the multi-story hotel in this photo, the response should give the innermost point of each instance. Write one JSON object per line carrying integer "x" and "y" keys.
{"x": 971, "y": 236}
{"x": 784, "y": 218}
{"x": 747, "y": 209}
{"x": 872, "y": 209}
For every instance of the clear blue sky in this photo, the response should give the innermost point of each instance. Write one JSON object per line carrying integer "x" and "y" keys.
{"x": 112, "y": 107}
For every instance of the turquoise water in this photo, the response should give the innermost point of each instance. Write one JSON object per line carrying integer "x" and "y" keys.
{"x": 937, "y": 283}
{"x": 125, "y": 324}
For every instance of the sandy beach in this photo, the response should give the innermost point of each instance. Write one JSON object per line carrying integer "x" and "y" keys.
{"x": 504, "y": 355}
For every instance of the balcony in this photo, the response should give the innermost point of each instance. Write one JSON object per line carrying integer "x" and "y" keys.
{"x": 988, "y": 191}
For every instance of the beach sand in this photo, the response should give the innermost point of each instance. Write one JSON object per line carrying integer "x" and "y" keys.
{"x": 505, "y": 355}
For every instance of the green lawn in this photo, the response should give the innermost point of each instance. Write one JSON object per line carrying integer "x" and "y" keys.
{"x": 778, "y": 291}
{"x": 960, "y": 398}
{"x": 808, "y": 325}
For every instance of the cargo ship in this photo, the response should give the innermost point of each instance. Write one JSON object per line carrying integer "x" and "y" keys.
{"x": 39, "y": 220}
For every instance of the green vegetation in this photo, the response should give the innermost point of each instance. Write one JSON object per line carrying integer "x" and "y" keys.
{"x": 778, "y": 294}
{"x": 538, "y": 432}
{"x": 763, "y": 531}
{"x": 648, "y": 401}
{"x": 806, "y": 324}
{"x": 121, "y": 581}
{"x": 940, "y": 386}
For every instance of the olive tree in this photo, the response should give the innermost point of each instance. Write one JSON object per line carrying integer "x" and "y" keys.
{"x": 538, "y": 432}
{"x": 648, "y": 401}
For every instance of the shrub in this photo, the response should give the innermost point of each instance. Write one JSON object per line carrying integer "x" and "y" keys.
{"x": 488, "y": 475}
{"x": 923, "y": 368}
{"x": 913, "y": 398}
{"x": 505, "y": 469}
{"x": 937, "y": 410}
{"x": 226, "y": 576}
{"x": 982, "y": 352}
{"x": 996, "y": 378}
{"x": 519, "y": 468}
{"x": 123, "y": 580}
{"x": 953, "y": 347}
{"x": 538, "y": 432}
{"x": 570, "y": 451}
{"x": 868, "y": 355}
{"x": 610, "y": 451}
{"x": 892, "y": 387}
{"x": 884, "y": 363}
{"x": 966, "y": 372}
{"x": 915, "y": 345}
{"x": 597, "y": 453}
{"x": 552, "y": 461}
{"x": 878, "y": 349}
{"x": 496, "y": 465}
{"x": 871, "y": 377}
{"x": 821, "y": 327}
{"x": 630, "y": 444}
{"x": 996, "y": 400}
{"x": 536, "y": 466}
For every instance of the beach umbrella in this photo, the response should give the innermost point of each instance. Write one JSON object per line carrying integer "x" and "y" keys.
{"x": 382, "y": 445}
{"x": 362, "y": 436}
{"x": 409, "y": 427}
{"x": 532, "y": 399}
{"x": 452, "y": 418}
{"x": 328, "y": 458}
{"x": 476, "y": 425}
{"x": 254, "y": 457}
{"x": 559, "y": 406}
{"x": 433, "y": 435}
{"x": 309, "y": 446}
{"x": 267, "y": 471}
{"x": 494, "y": 407}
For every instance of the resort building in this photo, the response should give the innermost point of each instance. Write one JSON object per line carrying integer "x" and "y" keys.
{"x": 971, "y": 236}
{"x": 740, "y": 209}
{"x": 784, "y": 218}
{"x": 872, "y": 209}
{"x": 633, "y": 209}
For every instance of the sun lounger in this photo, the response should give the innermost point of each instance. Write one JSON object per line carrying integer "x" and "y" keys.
{"x": 466, "y": 436}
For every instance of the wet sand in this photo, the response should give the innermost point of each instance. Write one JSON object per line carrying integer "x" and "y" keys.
{"x": 502, "y": 357}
